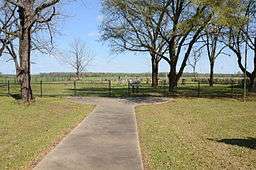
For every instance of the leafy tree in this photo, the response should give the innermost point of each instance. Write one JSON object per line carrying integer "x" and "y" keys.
{"x": 167, "y": 29}
{"x": 242, "y": 40}
{"x": 186, "y": 21}
{"x": 129, "y": 26}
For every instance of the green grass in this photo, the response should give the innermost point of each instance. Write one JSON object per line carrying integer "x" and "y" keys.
{"x": 198, "y": 134}
{"x": 28, "y": 131}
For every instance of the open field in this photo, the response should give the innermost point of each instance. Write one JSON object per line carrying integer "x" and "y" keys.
{"x": 114, "y": 77}
{"x": 198, "y": 134}
{"x": 116, "y": 85}
{"x": 27, "y": 132}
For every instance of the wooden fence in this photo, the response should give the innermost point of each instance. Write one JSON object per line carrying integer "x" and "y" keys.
{"x": 114, "y": 89}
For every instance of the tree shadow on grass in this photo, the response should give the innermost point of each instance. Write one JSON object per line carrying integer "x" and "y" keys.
{"x": 16, "y": 96}
{"x": 247, "y": 143}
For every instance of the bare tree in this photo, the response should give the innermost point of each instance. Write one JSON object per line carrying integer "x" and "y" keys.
{"x": 7, "y": 25}
{"x": 79, "y": 57}
{"x": 194, "y": 59}
{"x": 26, "y": 16}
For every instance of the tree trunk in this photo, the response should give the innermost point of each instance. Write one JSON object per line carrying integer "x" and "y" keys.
{"x": 172, "y": 79}
{"x": 194, "y": 72}
{"x": 77, "y": 75}
{"x": 154, "y": 72}
{"x": 252, "y": 83}
{"x": 23, "y": 71}
{"x": 211, "y": 80}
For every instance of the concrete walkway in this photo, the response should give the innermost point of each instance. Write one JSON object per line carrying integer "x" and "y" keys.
{"x": 107, "y": 139}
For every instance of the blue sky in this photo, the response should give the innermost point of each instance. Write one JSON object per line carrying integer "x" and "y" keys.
{"x": 83, "y": 23}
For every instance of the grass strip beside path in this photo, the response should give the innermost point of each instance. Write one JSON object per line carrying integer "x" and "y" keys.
{"x": 26, "y": 132}
{"x": 198, "y": 134}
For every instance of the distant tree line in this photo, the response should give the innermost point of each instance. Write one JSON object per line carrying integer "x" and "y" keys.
{"x": 123, "y": 75}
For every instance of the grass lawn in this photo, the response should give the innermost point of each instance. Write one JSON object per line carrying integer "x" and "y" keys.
{"x": 198, "y": 134}
{"x": 28, "y": 132}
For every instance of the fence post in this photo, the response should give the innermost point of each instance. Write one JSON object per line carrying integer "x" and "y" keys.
{"x": 41, "y": 88}
{"x": 109, "y": 87}
{"x": 75, "y": 88}
{"x": 8, "y": 87}
{"x": 198, "y": 89}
